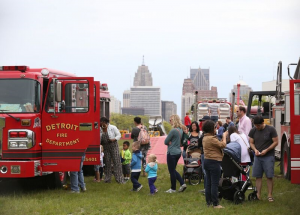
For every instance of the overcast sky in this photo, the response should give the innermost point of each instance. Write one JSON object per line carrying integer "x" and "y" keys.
{"x": 106, "y": 39}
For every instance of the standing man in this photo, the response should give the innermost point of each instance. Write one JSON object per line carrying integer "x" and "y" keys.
{"x": 187, "y": 120}
{"x": 245, "y": 124}
{"x": 134, "y": 135}
{"x": 263, "y": 140}
{"x": 214, "y": 111}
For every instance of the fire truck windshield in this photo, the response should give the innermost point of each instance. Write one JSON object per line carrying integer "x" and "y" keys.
{"x": 19, "y": 95}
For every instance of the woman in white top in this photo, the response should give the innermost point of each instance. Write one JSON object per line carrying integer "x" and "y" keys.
{"x": 241, "y": 138}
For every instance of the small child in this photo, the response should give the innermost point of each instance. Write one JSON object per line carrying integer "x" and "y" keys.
{"x": 151, "y": 170}
{"x": 126, "y": 158}
{"x": 136, "y": 166}
{"x": 99, "y": 168}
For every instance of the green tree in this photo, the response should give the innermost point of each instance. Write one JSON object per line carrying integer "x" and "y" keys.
{"x": 167, "y": 126}
{"x": 125, "y": 122}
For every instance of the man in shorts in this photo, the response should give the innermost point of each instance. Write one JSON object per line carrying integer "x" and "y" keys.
{"x": 263, "y": 140}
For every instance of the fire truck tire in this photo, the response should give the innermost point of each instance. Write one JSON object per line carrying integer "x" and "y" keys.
{"x": 286, "y": 162}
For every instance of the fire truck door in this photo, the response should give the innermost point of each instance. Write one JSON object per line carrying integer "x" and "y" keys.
{"x": 92, "y": 156}
{"x": 68, "y": 123}
{"x": 295, "y": 130}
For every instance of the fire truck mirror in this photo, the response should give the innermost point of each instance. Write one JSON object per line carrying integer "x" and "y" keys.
{"x": 58, "y": 92}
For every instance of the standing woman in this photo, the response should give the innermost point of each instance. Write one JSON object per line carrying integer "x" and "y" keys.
{"x": 194, "y": 133}
{"x": 173, "y": 141}
{"x": 213, "y": 157}
{"x": 109, "y": 135}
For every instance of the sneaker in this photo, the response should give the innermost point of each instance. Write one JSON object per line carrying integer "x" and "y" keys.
{"x": 138, "y": 189}
{"x": 171, "y": 191}
{"x": 182, "y": 188}
{"x": 156, "y": 190}
{"x": 202, "y": 191}
{"x": 83, "y": 189}
{"x": 133, "y": 190}
{"x": 73, "y": 191}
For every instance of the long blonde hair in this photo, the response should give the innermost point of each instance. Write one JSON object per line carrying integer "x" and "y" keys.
{"x": 176, "y": 121}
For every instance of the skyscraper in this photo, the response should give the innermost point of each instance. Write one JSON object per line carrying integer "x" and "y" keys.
{"x": 126, "y": 98}
{"x": 168, "y": 108}
{"x": 143, "y": 76}
{"x": 187, "y": 100}
{"x": 188, "y": 86}
{"x": 200, "y": 78}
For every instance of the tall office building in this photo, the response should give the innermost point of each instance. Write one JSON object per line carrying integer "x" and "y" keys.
{"x": 212, "y": 93}
{"x": 188, "y": 86}
{"x": 187, "y": 100}
{"x": 126, "y": 98}
{"x": 146, "y": 97}
{"x": 115, "y": 105}
{"x": 143, "y": 76}
{"x": 168, "y": 108}
{"x": 200, "y": 78}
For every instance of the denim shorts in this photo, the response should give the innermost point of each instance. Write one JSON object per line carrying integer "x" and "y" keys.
{"x": 263, "y": 164}
{"x": 126, "y": 169}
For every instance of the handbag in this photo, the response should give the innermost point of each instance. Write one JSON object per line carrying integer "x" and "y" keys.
{"x": 250, "y": 151}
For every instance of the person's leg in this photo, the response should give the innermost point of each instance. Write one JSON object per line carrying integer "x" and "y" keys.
{"x": 117, "y": 163}
{"x": 208, "y": 182}
{"x": 257, "y": 172}
{"x": 101, "y": 172}
{"x": 178, "y": 176}
{"x": 171, "y": 168}
{"x": 183, "y": 154}
{"x": 268, "y": 166}
{"x": 80, "y": 175}
{"x": 107, "y": 161}
{"x": 151, "y": 184}
{"x": 74, "y": 181}
{"x": 134, "y": 179}
{"x": 215, "y": 177}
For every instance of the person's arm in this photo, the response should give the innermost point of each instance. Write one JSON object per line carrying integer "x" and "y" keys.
{"x": 127, "y": 155}
{"x": 224, "y": 136}
{"x": 117, "y": 133}
{"x": 169, "y": 137}
{"x": 218, "y": 143}
{"x": 147, "y": 168}
{"x": 220, "y": 132}
{"x": 133, "y": 161}
{"x": 252, "y": 145}
{"x": 155, "y": 167}
{"x": 219, "y": 112}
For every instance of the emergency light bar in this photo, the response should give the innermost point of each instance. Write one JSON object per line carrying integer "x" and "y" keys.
{"x": 103, "y": 87}
{"x": 14, "y": 68}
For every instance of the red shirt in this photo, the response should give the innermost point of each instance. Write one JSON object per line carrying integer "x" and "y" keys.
{"x": 187, "y": 120}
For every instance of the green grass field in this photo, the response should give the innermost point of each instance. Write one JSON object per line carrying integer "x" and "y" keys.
{"x": 113, "y": 198}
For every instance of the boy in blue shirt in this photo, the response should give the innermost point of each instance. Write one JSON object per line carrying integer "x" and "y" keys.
{"x": 151, "y": 169}
{"x": 136, "y": 166}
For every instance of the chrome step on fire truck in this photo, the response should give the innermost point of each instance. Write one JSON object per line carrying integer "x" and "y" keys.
{"x": 48, "y": 120}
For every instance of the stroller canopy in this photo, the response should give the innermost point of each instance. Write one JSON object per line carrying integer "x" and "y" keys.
{"x": 233, "y": 149}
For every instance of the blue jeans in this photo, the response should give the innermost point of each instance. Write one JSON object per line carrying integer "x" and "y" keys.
{"x": 135, "y": 179}
{"x": 213, "y": 174}
{"x": 183, "y": 154}
{"x": 151, "y": 182}
{"x": 76, "y": 178}
{"x": 172, "y": 161}
{"x": 203, "y": 170}
{"x": 214, "y": 118}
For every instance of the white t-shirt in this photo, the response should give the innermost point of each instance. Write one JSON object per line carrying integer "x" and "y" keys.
{"x": 234, "y": 137}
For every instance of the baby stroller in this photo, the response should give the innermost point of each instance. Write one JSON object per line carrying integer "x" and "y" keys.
{"x": 231, "y": 186}
{"x": 192, "y": 169}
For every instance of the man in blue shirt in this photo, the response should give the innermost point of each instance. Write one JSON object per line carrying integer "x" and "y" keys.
{"x": 229, "y": 122}
{"x": 220, "y": 130}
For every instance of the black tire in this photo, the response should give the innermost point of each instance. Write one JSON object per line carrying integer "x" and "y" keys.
{"x": 238, "y": 197}
{"x": 194, "y": 179}
{"x": 252, "y": 196}
{"x": 286, "y": 161}
{"x": 56, "y": 180}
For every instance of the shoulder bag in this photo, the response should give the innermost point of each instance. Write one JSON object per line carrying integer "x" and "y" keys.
{"x": 250, "y": 151}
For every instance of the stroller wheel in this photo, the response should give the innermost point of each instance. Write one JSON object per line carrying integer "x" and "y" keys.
{"x": 194, "y": 179}
{"x": 252, "y": 196}
{"x": 238, "y": 197}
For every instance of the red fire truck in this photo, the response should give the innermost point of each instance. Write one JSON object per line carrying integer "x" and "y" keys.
{"x": 286, "y": 120}
{"x": 48, "y": 119}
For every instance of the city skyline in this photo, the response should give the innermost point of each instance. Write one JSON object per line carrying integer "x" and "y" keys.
{"x": 231, "y": 38}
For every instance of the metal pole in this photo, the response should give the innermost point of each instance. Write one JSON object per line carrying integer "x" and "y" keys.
{"x": 196, "y": 107}
{"x": 232, "y": 106}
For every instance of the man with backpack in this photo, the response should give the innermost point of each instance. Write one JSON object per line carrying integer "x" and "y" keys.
{"x": 140, "y": 134}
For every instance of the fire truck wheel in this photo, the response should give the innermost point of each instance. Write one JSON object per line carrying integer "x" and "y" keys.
{"x": 286, "y": 162}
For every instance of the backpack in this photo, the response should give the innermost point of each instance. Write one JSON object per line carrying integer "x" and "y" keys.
{"x": 143, "y": 137}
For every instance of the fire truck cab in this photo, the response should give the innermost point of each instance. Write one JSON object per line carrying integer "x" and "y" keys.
{"x": 48, "y": 118}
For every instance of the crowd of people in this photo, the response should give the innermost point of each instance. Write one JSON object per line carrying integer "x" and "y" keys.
{"x": 210, "y": 135}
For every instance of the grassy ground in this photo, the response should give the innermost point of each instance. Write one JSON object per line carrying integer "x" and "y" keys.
{"x": 114, "y": 198}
